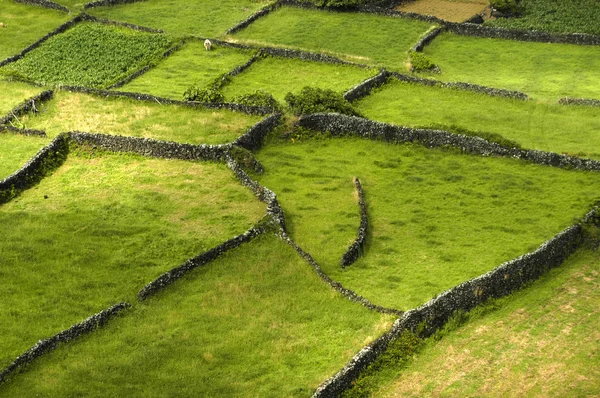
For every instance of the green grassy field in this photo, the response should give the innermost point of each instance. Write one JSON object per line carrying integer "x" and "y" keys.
{"x": 73, "y": 5}
{"x": 436, "y": 218}
{"x": 549, "y": 127}
{"x": 256, "y": 322}
{"x": 190, "y": 65}
{"x": 342, "y": 35}
{"x": 82, "y": 112}
{"x": 15, "y": 150}
{"x": 272, "y": 75}
{"x": 14, "y": 93}
{"x": 542, "y": 341}
{"x": 65, "y": 59}
{"x": 25, "y": 25}
{"x": 544, "y": 71}
{"x": 108, "y": 226}
{"x": 206, "y": 18}
{"x": 565, "y": 16}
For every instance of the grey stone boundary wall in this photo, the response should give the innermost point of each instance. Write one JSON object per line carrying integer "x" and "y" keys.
{"x": 339, "y": 125}
{"x": 38, "y": 43}
{"x": 469, "y": 29}
{"x": 426, "y": 319}
{"x": 43, "y": 346}
{"x": 579, "y": 101}
{"x": 91, "y": 18}
{"x": 101, "y": 3}
{"x": 364, "y": 88}
{"x": 260, "y": 13}
{"x": 496, "y": 92}
{"x": 174, "y": 274}
{"x": 252, "y": 110}
{"x": 357, "y": 247}
{"x": 50, "y": 156}
{"x": 45, "y": 3}
{"x": 25, "y": 132}
{"x": 253, "y": 138}
{"x": 27, "y": 106}
{"x": 427, "y": 38}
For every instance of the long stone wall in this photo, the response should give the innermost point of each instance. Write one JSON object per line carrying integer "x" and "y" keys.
{"x": 259, "y": 14}
{"x": 254, "y": 138}
{"x": 45, "y": 3}
{"x": 43, "y": 346}
{"x": 25, "y": 132}
{"x": 357, "y": 247}
{"x": 364, "y": 88}
{"x": 101, "y": 3}
{"x": 431, "y": 316}
{"x": 579, "y": 101}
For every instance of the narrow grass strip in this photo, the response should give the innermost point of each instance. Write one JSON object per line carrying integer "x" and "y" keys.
{"x": 43, "y": 346}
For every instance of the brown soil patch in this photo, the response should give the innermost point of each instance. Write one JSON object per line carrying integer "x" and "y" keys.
{"x": 449, "y": 10}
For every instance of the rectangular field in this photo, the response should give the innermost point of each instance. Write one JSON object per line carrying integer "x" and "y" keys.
{"x": 272, "y": 75}
{"x": 82, "y": 112}
{"x": 548, "y": 127}
{"x": 436, "y": 218}
{"x": 341, "y": 34}
{"x": 191, "y": 65}
{"x": 205, "y": 18}
{"x": 99, "y": 229}
{"x": 448, "y": 10}
{"x": 545, "y": 71}
{"x": 257, "y": 322}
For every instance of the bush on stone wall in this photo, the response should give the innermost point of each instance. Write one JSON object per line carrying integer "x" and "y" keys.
{"x": 315, "y": 100}
{"x": 258, "y": 98}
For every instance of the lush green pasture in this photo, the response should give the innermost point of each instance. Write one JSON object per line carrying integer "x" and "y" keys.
{"x": 256, "y": 322}
{"x": 273, "y": 75}
{"x": 25, "y": 25}
{"x": 565, "y": 16}
{"x": 99, "y": 229}
{"x": 73, "y": 5}
{"x": 16, "y": 150}
{"x": 342, "y": 34}
{"x": 82, "y": 112}
{"x": 548, "y": 127}
{"x": 436, "y": 218}
{"x": 66, "y": 59}
{"x": 13, "y": 93}
{"x": 545, "y": 71}
{"x": 189, "y": 17}
{"x": 190, "y": 65}
{"x": 542, "y": 341}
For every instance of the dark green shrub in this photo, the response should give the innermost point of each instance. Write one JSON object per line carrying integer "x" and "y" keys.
{"x": 508, "y": 7}
{"x": 420, "y": 62}
{"x": 314, "y": 100}
{"x": 211, "y": 94}
{"x": 258, "y": 98}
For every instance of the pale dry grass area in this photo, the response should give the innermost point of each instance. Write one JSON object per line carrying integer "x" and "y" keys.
{"x": 449, "y": 10}
{"x": 540, "y": 346}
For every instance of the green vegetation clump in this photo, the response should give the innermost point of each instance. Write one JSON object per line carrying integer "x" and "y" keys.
{"x": 315, "y": 100}
{"x": 68, "y": 58}
{"x": 507, "y": 7}
{"x": 210, "y": 94}
{"x": 258, "y": 98}
{"x": 419, "y": 62}
{"x": 564, "y": 16}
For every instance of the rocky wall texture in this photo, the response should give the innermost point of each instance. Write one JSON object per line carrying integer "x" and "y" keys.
{"x": 260, "y": 13}
{"x": 339, "y": 125}
{"x": 307, "y": 56}
{"x": 174, "y": 274}
{"x": 25, "y": 132}
{"x": 254, "y": 138}
{"x": 579, "y": 101}
{"x": 45, "y": 3}
{"x": 27, "y": 106}
{"x": 91, "y": 18}
{"x": 43, "y": 346}
{"x": 432, "y": 315}
{"x": 427, "y": 38}
{"x": 357, "y": 247}
{"x": 101, "y": 3}
{"x": 364, "y": 88}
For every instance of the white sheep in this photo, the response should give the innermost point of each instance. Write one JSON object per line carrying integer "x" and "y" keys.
{"x": 207, "y": 44}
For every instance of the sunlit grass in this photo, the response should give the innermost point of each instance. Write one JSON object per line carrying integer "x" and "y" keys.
{"x": 542, "y": 341}
{"x": 256, "y": 322}
{"x": 549, "y": 127}
{"x": 344, "y": 34}
{"x": 82, "y": 112}
{"x": 25, "y": 25}
{"x": 545, "y": 71}
{"x": 13, "y": 94}
{"x": 99, "y": 229}
{"x": 436, "y": 218}
{"x": 272, "y": 75}
{"x": 15, "y": 150}
{"x": 206, "y": 18}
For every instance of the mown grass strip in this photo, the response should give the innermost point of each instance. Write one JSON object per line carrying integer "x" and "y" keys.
{"x": 542, "y": 70}
{"x": 100, "y": 228}
{"x": 256, "y": 322}
{"x": 454, "y": 218}
{"x": 547, "y": 127}
{"x": 340, "y": 34}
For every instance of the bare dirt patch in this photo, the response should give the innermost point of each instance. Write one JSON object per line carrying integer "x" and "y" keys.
{"x": 449, "y": 10}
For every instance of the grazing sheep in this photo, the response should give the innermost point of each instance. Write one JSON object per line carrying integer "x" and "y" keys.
{"x": 207, "y": 44}
{"x": 2, "y": 25}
